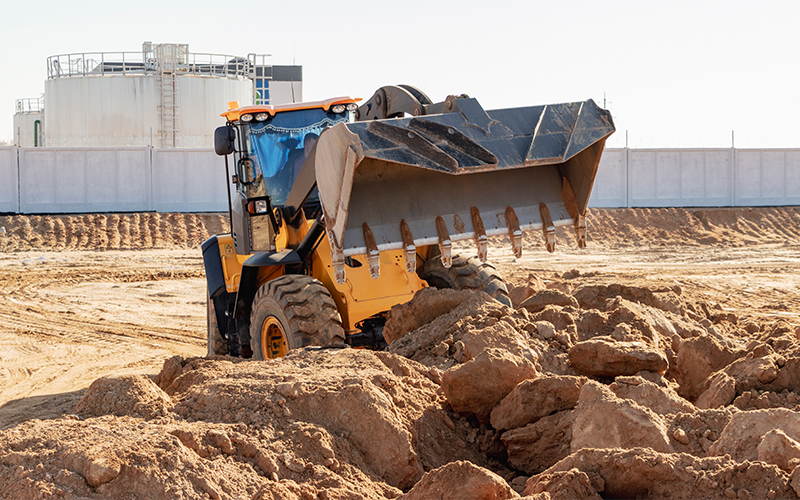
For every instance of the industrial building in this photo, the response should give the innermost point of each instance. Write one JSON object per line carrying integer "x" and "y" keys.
{"x": 162, "y": 97}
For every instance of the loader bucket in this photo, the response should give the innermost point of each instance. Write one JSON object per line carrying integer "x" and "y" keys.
{"x": 409, "y": 182}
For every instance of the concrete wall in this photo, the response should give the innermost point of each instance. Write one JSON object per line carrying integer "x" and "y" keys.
{"x": 697, "y": 178}
{"x": 189, "y": 180}
{"x": 9, "y": 182}
{"x": 75, "y": 180}
{"x": 85, "y": 180}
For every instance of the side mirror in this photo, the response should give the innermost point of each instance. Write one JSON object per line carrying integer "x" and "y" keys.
{"x": 224, "y": 139}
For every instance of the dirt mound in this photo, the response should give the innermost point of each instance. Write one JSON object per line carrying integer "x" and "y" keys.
{"x": 595, "y": 386}
{"x": 108, "y": 231}
{"x": 609, "y": 228}
{"x": 349, "y": 422}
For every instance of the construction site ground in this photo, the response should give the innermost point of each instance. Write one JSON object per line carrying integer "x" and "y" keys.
{"x": 111, "y": 296}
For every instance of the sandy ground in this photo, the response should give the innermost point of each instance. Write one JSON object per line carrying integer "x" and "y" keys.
{"x": 70, "y": 317}
{"x": 706, "y": 298}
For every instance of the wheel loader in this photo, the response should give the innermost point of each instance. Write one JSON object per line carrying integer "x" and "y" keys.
{"x": 340, "y": 211}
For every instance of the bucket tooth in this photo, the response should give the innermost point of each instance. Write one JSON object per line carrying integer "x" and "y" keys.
{"x": 458, "y": 224}
{"x": 445, "y": 245}
{"x": 580, "y": 231}
{"x": 373, "y": 255}
{"x": 481, "y": 240}
{"x": 337, "y": 259}
{"x": 514, "y": 232}
{"x": 409, "y": 249}
{"x": 548, "y": 228}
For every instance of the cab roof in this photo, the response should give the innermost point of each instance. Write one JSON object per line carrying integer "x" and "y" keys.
{"x": 235, "y": 112}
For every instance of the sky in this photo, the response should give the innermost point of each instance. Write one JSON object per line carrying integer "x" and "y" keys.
{"x": 676, "y": 73}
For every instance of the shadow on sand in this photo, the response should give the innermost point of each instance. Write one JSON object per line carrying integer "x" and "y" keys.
{"x": 47, "y": 407}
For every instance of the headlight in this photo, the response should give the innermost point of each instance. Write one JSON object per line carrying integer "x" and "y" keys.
{"x": 261, "y": 205}
{"x": 262, "y": 116}
{"x": 339, "y": 108}
{"x": 246, "y": 118}
{"x": 352, "y": 106}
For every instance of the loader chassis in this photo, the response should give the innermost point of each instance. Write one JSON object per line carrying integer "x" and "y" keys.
{"x": 340, "y": 212}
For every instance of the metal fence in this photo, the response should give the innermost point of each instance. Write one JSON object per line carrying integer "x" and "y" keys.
{"x": 146, "y": 62}
{"x": 86, "y": 180}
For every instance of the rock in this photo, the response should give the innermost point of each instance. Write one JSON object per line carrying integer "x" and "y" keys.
{"x": 654, "y": 317}
{"x": 680, "y": 436}
{"x": 545, "y": 329}
{"x": 741, "y": 437}
{"x": 721, "y": 392}
{"x": 169, "y": 372}
{"x": 460, "y": 481}
{"x": 96, "y": 470}
{"x": 654, "y": 377}
{"x": 661, "y": 400}
{"x": 478, "y": 385}
{"x": 596, "y": 296}
{"x": 518, "y": 294}
{"x": 755, "y": 400}
{"x": 762, "y": 371}
{"x": 567, "y": 485}
{"x": 623, "y": 320}
{"x": 537, "y": 446}
{"x": 427, "y": 305}
{"x": 536, "y": 398}
{"x": 500, "y": 335}
{"x": 644, "y": 473}
{"x": 544, "y": 298}
{"x": 602, "y": 420}
{"x": 603, "y": 357}
{"x": 555, "y": 315}
{"x": 779, "y": 449}
{"x": 134, "y": 395}
{"x": 698, "y": 358}
{"x": 439, "y": 342}
{"x": 794, "y": 480}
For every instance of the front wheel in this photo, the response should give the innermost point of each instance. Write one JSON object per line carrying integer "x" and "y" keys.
{"x": 465, "y": 273}
{"x": 290, "y": 312}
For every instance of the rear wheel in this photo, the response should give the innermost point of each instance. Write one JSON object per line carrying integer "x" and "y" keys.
{"x": 290, "y": 312}
{"x": 465, "y": 273}
{"x": 216, "y": 344}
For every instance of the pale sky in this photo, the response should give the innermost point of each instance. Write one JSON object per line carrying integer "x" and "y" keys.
{"x": 674, "y": 74}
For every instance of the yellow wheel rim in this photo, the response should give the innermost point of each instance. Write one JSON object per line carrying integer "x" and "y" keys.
{"x": 273, "y": 339}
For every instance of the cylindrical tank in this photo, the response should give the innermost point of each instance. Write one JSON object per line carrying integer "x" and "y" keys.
{"x": 29, "y": 123}
{"x": 141, "y": 99}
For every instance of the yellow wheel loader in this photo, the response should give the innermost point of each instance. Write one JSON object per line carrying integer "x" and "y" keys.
{"x": 341, "y": 211}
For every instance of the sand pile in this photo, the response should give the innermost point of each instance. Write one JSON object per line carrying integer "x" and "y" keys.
{"x": 609, "y": 228}
{"x": 587, "y": 391}
{"x": 108, "y": 231}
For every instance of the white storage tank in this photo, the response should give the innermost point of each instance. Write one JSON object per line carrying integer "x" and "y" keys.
{"x": 162, "y": 97}
{"x": 29, "y": 123}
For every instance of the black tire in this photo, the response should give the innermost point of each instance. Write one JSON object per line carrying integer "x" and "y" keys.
{"x": 465, "y": 273}
{"x": 216, "y": 344}
{"x": 291, "y": 312}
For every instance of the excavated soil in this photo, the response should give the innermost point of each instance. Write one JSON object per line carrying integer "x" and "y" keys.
{"x": 661, "y": 361}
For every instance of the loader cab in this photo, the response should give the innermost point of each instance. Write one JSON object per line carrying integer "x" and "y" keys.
{"x": 274, "y": 142}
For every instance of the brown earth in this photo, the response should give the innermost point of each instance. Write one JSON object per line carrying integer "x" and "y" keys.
{"x": 696, "y": 393}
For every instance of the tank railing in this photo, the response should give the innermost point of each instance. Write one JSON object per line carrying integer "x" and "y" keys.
{"x": 139, "y": 63}
{"x": 30, "y": 105}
